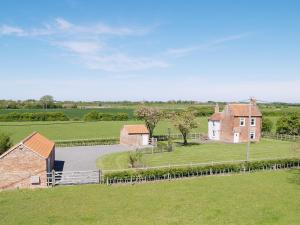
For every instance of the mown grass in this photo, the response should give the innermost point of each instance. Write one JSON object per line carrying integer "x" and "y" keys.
{"x": 197, "y": 153}
{"x": 260, "y": 198}
{"x": 81, "y": 130}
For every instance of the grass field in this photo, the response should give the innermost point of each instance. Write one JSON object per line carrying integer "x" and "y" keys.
{"x": 259, "y": 198}
{"x": 203, "y": 153}
{"x": 81, "y": 130}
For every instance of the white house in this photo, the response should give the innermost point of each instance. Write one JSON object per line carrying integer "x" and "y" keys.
{"x": 214, "y": 125}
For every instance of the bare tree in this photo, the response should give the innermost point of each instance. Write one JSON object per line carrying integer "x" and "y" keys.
{"x": 46, "y": 100}
{"x": 185, "y": 121}
{"x": 150, "y": 115}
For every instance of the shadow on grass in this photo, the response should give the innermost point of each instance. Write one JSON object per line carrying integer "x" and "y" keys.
{"x": 294, "y": 176}
{"x": 180, "y": 144}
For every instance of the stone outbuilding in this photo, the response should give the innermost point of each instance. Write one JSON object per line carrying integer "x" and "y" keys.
{"x": 134, "y": 135}
{"x": 236, "y": 123}
{"x": 26, "y": 164}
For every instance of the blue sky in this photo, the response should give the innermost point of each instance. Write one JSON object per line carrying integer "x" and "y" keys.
{"x": 150, "y": 50}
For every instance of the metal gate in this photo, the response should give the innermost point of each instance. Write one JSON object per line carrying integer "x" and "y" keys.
{"x": 73, "y": 177}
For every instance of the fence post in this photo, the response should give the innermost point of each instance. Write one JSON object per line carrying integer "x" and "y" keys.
{"x": 53, "y": 178}
{"x": 100, "y": 176}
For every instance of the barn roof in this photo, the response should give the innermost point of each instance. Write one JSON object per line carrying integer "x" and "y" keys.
{"x": 36, "y": 143}
{"x": 217, "y": 116}
{"x": 243, "y": 110}
{"x": 136, "y": 129}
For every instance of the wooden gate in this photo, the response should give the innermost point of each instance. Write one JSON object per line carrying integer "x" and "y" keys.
{"x": 73, "y": 177}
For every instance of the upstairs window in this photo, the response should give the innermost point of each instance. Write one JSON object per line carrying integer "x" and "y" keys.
{"x": 242, "y": 122}
{"x": 253, "y": 122}
{"x": 213, "y": 123}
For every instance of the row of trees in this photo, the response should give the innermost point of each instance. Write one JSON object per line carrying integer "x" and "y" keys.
{"x": 184, "y": 121}
{"x": 284, "y": 125}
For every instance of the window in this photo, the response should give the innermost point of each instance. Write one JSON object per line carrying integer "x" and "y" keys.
{"x": 253, "y": 122}
{"x": 242, "y": 122}
{"x": 252, "y": 135}
{"x": 213, "y": 123}
{"x": 214, "y": 133}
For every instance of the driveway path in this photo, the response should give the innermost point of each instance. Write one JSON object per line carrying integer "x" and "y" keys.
{"x": 82, "y": 158}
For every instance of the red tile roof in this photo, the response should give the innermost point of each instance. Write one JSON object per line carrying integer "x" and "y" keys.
{"x": 136, "y": 129}
{"x": 39, "y": 144}
{"x": 243, "y": 110}
{"x": 216, "y": 116}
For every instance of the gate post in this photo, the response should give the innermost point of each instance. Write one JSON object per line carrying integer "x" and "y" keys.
{"x": 53, "y": 178}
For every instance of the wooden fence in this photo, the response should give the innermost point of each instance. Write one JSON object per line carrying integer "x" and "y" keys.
{"x": 281, "y": 137}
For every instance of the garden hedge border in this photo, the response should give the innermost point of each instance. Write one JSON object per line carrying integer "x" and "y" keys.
{"x": 136, "y": 175}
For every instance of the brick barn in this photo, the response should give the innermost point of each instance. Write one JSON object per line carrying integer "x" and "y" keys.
{"x": 233, "y": 124}
{"x": 135, "y": 135}
{"x": 25, "y": 165}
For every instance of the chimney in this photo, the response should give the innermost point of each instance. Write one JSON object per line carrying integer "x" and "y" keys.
{"x": 217, "y": 108}
{"x": 253, "y": 101}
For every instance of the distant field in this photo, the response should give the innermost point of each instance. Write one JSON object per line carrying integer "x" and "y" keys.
{"x": 267, "y": 148}
{"x": 81, "y": 130}
{"x": 262, "y": 198}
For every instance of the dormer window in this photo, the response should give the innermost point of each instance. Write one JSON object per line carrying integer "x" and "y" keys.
{"x": 253, "y": 122}
{"x": 242, "y": 122}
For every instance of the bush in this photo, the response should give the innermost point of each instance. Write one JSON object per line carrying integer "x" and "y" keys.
{"x": 267, "y": 125}
{"x": 5, "y": 142}
{"x": 288, "y": 125}
{"x": 34, "y": 116}
{"x": 98, "y": 116}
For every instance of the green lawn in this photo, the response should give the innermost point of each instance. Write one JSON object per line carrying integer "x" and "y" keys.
{"x": 79, "y": 130}
{"x": 260, "y": 198}
{"x": 267, "y": 148}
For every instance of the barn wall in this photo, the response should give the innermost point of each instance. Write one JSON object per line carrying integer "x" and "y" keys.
{"x": 18, "y": 166}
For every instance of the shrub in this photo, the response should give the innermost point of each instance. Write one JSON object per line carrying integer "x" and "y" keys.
{"x": 34, "y": 116}
{"x": 288, "y": 125}
{"x": 267, "y": 125}
{"x": 98, "y": 116}
{"x": 5, "y": 142}
{"x": 134, "y": 159}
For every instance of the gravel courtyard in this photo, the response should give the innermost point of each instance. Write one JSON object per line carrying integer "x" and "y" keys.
{"x": 82, "y": 158}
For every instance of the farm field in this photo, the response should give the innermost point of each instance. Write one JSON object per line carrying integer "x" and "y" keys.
{"x": 259, "y": 198}
{"x": 82, "y": 130}
{"x": 197, "y": 153}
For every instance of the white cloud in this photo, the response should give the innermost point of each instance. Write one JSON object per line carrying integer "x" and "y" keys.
{"x": 81, "y": 47}
{"x": 63, "y": 24}
{"x": 10, "y": 30}
{"x": 180, "y": 52}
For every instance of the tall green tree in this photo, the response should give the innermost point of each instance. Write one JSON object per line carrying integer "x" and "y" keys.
{"x": 185, "y": 121}
{"x": 267, "y": 125}
{"x": 288, "y": 125}
{"x": 150, "y": 115}
{"x": 5, "y": 142}
{"x": 46, "y": 100}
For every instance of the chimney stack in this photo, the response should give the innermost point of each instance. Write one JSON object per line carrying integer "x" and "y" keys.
{"x": 253, "y": 101}
{"x": 217, "y": 108}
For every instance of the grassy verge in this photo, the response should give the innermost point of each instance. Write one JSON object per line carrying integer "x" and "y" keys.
{"x": 196, "y": 153}
{"x": 260, "y": 198}
{"x": 81, "y": 130}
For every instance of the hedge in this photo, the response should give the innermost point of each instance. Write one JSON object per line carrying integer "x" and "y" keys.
{"x": 87, "y": 142}
{"x": 34, "y": 116}
{"x": 98, "y": 116}
{"x": 174, "y": 172}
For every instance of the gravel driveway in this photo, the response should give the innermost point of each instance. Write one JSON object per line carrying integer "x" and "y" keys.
{"x": 83, "y": 158}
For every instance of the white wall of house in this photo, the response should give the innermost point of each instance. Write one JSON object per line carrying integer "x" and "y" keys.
{"x": 145, "y": 139}
{"x": 214, "y": 128}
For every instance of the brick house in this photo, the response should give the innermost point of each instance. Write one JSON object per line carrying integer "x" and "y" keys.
{"x": 25, "y": 165}
{"x": 135, "y": 135}
{"x": 235, "y": 123}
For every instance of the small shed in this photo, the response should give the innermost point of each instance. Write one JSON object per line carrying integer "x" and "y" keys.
{"x": 135, "y": 135}
{"x": 26, "y": 164}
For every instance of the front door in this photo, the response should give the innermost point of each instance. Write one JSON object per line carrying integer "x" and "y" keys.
{"x": 236, "y": 137}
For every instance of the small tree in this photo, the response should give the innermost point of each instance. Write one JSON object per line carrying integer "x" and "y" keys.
{"x": 46, "y": 100}
{"x": 134, "y": 159}
{"x": 267, "y": 125}
{"x": 5, "y": 142}
{"x": 150, "y": 115}
{"x": 185, "y": 122}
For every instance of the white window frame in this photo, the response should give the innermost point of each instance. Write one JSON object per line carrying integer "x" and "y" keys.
{"x": 254, "y": 120}
{"x": 252, "y": 133}
{"x": 244, "y": 122}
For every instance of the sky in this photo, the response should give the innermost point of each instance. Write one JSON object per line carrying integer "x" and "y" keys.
{"x": 150, "y": 50}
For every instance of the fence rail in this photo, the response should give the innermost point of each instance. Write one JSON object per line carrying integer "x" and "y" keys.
{"x": 282, "y": 137}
